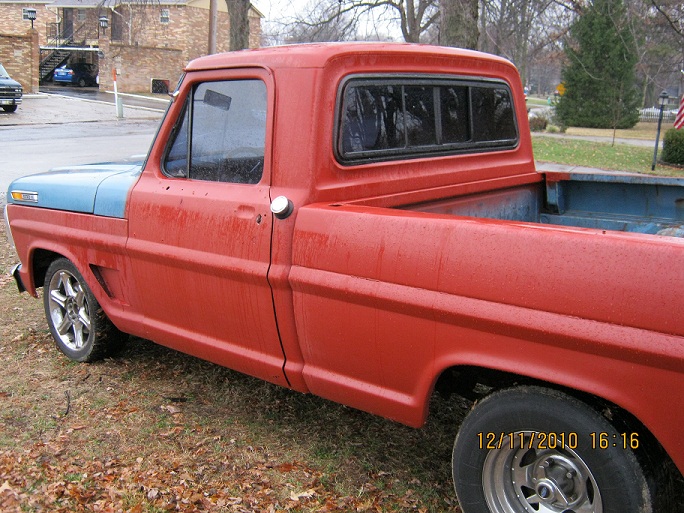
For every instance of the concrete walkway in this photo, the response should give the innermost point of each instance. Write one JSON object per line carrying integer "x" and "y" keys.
{"x": 645, "y": 143}
{"x": 43, "y": 109}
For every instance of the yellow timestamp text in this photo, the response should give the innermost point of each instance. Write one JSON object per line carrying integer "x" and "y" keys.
{"x": 556, "y": 441}
{"x": 618, "y": 440}
{"x": 528, "y": 439}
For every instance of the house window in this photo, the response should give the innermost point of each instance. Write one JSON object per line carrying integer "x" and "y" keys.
{"x": 165, "y": 15}
{"x": 382, "y": 118}
{"x": 117, "y": 28}
{"x": 81, "y": 15}
{"x": 24, "y": 13}
{"x": 222, "y": 133}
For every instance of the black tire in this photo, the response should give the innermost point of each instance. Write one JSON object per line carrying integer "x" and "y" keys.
{"x": 78, "y": 324}
{"x": 583, "y": 473}
{"x": 81, "y": 82}
{"x": 10, "y": 108}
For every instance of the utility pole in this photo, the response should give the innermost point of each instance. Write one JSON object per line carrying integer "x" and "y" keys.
{"x": 213, "y": 19}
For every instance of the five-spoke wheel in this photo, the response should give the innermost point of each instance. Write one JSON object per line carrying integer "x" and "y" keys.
{"x": 79, "y": 326}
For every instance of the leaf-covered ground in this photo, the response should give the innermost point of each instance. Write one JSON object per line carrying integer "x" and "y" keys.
{"x": 154, "y": 430}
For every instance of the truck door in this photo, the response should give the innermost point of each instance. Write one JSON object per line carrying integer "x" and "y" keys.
{"x": 200, "y": 227}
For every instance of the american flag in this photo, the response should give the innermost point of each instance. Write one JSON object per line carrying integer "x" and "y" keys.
{"x": 679, "y": 120}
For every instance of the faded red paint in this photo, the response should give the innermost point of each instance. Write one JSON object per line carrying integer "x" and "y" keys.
{"x": 357, "y": 299}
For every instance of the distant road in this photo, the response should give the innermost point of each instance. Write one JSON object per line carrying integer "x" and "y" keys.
{"x": 49, "y": 131}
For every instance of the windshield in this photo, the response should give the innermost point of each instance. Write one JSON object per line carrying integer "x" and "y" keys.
{"x": 3, "y": 73}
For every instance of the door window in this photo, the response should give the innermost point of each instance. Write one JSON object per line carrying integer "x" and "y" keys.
{"x": 221, "y": 134}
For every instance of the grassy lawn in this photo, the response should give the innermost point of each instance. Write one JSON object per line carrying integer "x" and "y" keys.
{"x": 154, "y": 430}
{"x": 603, "y": 155}
{"x": 644, "y": 131}
{"x": 536, "y": 102}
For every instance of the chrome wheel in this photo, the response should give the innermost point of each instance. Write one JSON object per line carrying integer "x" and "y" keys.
{"x": 529, "y": 449}
{"x": 519, "y": 477}
{"x": 69, "y": 310}
{"x": 77, "y": 322}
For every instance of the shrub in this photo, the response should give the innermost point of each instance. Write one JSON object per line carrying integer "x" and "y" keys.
{"x": 673, "y": 147}
{"x": 538, "y": 123}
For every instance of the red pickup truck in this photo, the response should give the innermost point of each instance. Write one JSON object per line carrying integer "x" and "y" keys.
{"x": 365, "y": 222}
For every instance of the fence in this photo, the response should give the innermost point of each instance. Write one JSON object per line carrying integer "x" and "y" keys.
{"x": 653, "y": 113}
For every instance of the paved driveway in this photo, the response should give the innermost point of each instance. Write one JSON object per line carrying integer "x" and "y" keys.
{"x": 48, "y": 131}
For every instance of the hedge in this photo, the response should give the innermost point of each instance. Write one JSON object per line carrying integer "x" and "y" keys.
{"x": 673, "y": 147}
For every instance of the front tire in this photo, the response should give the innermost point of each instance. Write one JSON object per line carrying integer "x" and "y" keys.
{"x": 78, "y": 324}
{"x": 10, "y": 108}
{"x": 536, "y": 450}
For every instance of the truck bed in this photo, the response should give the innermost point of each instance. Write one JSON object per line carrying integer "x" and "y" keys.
{"x": 485, "y": 280}
{"x": 616, "y": 202}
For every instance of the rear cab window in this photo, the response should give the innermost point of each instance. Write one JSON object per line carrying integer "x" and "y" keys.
{"x": 387, "y": 118}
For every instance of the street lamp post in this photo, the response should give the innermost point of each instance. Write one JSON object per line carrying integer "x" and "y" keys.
{"x": 30, "y": 15}
{"x": 104, "y": 23}
{"x": 662, "y": 98}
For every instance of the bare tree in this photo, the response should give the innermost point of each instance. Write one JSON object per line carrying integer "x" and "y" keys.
{"x": 324, "y": 22}
{"x": 660, "y": 38}
{"x": 673, "y": 13}
{"x": 524, "y": 31}
{"x": 414, "y": 18}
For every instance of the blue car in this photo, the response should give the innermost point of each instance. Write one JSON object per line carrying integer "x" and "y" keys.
{"x": 81, "y": 74}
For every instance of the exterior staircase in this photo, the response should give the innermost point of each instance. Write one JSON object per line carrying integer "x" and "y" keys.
{"x": 60, "y": 49}
{"x": 54, "y": 60}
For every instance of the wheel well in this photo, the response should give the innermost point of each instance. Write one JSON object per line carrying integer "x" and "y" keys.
{"x": 474, "y": 383}
{"x": 40, "y": 262}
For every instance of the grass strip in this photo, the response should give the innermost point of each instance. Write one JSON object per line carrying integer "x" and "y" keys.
{"x": 599, "y": 155}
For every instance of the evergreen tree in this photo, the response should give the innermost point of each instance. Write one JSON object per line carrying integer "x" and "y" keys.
{"x": 599, "y": 79}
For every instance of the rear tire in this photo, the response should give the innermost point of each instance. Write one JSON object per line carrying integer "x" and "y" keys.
{"x": 536, "y": 450}
{"x": 78, "y": 324}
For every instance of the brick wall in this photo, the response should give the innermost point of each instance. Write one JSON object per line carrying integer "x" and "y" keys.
{"x": 186, "y": 29}
{"x": 12, "y": 22}
{"x": 148, "y": 48}
{"x": 151, "y": 49}
{"x": 86, "y": 32}
{"x": 254, "y": 30}
{"x": 137, "y": 65}
{"x": 20, "y": 55}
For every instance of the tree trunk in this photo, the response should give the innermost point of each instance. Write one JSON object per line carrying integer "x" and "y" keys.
{"x": 239, "y": 24}
{"x": 459, "y": 23}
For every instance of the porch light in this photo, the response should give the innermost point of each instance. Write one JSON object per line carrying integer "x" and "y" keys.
{"x": 30, "y": 15}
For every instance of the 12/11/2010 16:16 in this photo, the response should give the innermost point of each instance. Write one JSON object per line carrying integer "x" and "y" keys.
{"x": 540, "y": 440}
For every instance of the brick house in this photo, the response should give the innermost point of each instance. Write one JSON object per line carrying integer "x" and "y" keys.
{"x": 143, "y": 40}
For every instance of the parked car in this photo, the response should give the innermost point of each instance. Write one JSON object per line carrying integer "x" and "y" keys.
{"x": 10, "y": 91}
{"x": 81, "y": 74}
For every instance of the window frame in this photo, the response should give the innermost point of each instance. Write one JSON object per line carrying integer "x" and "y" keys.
{"x": 165, "y": 16}
{"x": 187, "y": 109}
{"x": 420, "y": 151}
